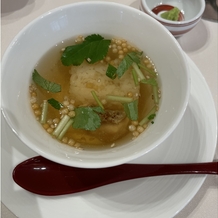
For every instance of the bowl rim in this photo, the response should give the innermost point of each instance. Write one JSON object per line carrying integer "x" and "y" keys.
{"x": 197, "y": 17}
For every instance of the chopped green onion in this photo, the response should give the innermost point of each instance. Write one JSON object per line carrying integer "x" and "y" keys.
{"x": 147, "y": 118}
{"x": 138, "y": 71}
{"x": 119, "y": 98}
{"x": 150, "y": 81}
{"x": 97, "y": 99}
{"x": 61, "y": 125}
{"x": 44, "y": 112}
{"x": 155, "y": 94}
{"x": 135, "y": 77}
{"x": 148, "y": 70}
{"x": 64, "y": 130}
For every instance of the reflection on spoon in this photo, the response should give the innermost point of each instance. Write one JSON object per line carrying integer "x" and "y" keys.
{"x": 44, "y": 177}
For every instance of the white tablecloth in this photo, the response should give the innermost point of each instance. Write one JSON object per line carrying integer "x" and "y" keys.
{"x": 200, "y": 45}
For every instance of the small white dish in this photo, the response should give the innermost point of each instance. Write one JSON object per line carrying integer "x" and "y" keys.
{"x": 191, "y": 11}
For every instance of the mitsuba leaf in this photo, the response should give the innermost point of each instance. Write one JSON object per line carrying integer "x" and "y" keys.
{"x": 127, "y": 62}
{"x": 124, "y": 66}
{"x": 45, "y": 84}
{"x": 135, "y": 56}
{"x": 73, "y": 55}
{"x": 87, "y": 118}
{"x": 94, "y": 37}
{"x": 94, "y": 48}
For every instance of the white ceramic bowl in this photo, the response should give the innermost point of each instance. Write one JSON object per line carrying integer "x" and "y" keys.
{"x": 192, "y": 12}
{"x": 69, "y": 21}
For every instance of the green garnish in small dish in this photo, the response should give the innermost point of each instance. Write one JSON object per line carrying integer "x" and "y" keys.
{"x": 172, "y": 14}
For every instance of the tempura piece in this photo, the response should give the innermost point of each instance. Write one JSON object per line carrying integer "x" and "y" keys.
{"x": 89, "y": 77}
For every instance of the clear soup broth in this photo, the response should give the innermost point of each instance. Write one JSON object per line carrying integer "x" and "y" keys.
{"x": 80, "y": 83}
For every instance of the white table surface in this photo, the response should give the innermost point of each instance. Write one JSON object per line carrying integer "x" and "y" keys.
{"x": 200, "y": 44}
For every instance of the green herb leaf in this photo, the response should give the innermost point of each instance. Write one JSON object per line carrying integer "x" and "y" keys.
{"x": 124, "y": 66}
{"x": 45, "y": 84}
{"x": 54, "y": 103}
{"x": 94, "y": 37}
{"x": 111, "y": 72}
{"x": 87, "y": 118}
{"x": 127, "y": 62}
{"x": 131, "y": 110}
{"x": 94, "y": 48}
{"x": 135, "y": 56}
{"x": 172, "y": 14}
{"x": 71, "y": 56}
{"x": 98, "y": 109}
{"x": 151, "y": 117}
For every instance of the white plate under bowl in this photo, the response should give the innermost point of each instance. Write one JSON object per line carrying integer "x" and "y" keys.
{"x": 194, "y": 140}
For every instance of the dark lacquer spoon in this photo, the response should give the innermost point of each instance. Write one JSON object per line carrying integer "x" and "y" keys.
{"x": 44, "y": 177}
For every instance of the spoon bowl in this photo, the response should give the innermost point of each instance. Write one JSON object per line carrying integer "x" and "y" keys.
{"x": 41, "y": 176}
